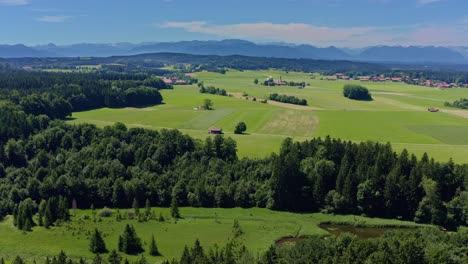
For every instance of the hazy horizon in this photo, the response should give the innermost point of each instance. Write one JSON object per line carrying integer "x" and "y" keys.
{"x": 320, "y": 23}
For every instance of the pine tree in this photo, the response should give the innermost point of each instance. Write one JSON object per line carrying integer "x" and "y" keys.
{"x": 118, "y": 195}
{"x": 63, "y": 212}
{"x": 42, "y": 207}
{"x": 175, "y": 208}
{"x": 153, "y": 249}
{"x": 114, "y": 258}
{"x": 24, "y": 215}
{"x": 129, "y": 242}
{"x": 148, "y": 208}
{"x": 135, "y": 206}
{"x": 186, "y": 257}
{"x": 74, "y": 206}
{"x": 62, "y": 258}
{"x": 270, "y": 256}
{"x": 161, "y": 218}
{"x": 18, "y": 260}
{"x": 48, "y": 217}
{"x": 97, "y": 244}
{"x": 121, "y": 244}
{"x": 15, "y": 215}
{"x": 197, "y": 252}
{"x": 97, "y": 259}
{"x": 27, "y": 225}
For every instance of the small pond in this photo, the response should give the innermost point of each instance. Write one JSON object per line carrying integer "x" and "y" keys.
{"x": 361, "y": 232}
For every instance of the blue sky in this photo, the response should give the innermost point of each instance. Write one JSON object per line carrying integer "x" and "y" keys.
{"x": 343, "y": 23}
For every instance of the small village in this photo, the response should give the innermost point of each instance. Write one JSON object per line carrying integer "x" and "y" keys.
{"x": 174, "y": 80}
{"x": 405, "y": 79}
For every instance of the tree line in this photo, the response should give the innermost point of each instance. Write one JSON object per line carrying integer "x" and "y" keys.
{"x": 462, "y": 103}
{"x": 288, "y": 99}
{"x": 212, "y": 90}
{"x": 57, "y": 94}
{"x": 113, "y": 166}
{"x": 203, "y": 62}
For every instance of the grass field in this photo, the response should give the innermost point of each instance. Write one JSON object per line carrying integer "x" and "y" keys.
{"x": 261, "y": 228}
{"x": 398, "y": 114}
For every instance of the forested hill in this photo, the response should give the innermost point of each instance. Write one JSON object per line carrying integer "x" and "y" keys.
{"x": 58, "y": 94}
{"x": 204, "y": 61}
{"x": 115, "y": 165}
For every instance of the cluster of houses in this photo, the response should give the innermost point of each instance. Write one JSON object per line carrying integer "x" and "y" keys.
{"x": 406, "y": 79}
{"x": 443, "y": 85}
{"x": 280, "y": 83}
{"x": 342, "y": 76}
{"x": 175, "y": 81}
{"x": 381, "y": 79}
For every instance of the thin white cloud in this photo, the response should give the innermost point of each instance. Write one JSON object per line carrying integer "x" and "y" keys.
{"x": 14, "y": 2}
{"x": 294, "y": 32}
{"x": 54, "y": 19}
{"x": 438, "y": 35}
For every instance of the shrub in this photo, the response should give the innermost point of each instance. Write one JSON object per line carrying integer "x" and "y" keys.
{"x": 105, "y": 212}
{"x": 462, "y": 103}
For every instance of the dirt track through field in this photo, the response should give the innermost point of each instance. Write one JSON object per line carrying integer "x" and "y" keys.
{"x": 459, "y": 113}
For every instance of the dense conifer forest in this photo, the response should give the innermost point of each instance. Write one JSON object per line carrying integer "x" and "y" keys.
{"x": 115, "y": 165}
{"x": 48, "y": 166}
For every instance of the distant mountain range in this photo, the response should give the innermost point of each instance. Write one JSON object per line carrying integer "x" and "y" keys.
{"x": 411, "y": 54}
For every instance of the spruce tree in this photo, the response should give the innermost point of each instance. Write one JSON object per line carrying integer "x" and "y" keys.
{"x": 136, "y": 207}
{"x": 114, "y": 258}
{"x": 129, "y": 242}
{"x": 48, "y": 217}
{"x": 153, "y": 249}
{"x": 97, "y": 259}
{"x": 18, "y": 260}
{"x": 63, "y": 210}
{"x": 148, "y": 208}
{"x": 15, "y": 215}
{"x": 42, "y": 208}
{"x": 197, "y": 252}
{"x": 186, "y": 257}
{"x": 62, "y": 258}
{"x": 175, "y": 208}
{"x": 24, "y": 215}
{"x": 97, "y": 244}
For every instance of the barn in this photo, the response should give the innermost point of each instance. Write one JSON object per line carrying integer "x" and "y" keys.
{"x": 216, "y": 130}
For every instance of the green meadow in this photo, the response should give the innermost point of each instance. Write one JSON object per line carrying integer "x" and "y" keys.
{"x": 398, "y": 114}
{"x": 261, "y": 228}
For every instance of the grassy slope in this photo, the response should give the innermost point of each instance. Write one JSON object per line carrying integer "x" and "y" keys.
{"x": 212, "y": 226}
{"x": 397, "y": 114}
